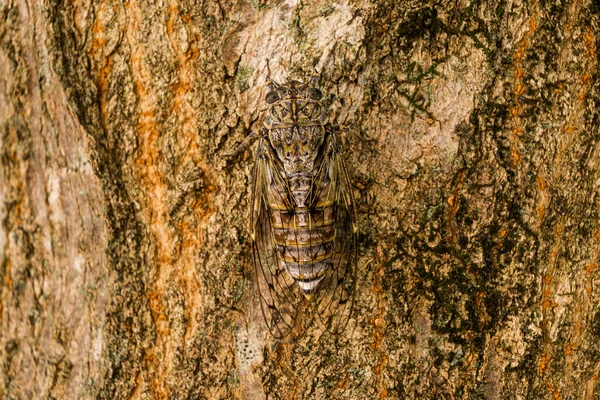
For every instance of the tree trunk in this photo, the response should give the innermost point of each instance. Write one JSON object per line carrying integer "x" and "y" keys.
{"x": 472, "y": 141}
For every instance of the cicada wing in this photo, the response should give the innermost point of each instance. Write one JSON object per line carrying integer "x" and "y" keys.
{"x": 335, "y": 298}
{"x": 279, "y": 295}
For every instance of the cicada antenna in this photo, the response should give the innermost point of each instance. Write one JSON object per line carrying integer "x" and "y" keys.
{"x": 272, "y": 84}
{"x": 268, "y": 70}
{"x": 315, "y": 78}
{"x": 314, "y": 81}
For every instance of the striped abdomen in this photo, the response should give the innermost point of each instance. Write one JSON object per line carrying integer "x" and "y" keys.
{"x": 304, "y": 239}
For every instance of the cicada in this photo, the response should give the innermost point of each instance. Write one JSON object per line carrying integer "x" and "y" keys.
{"x": 303, "y": 221}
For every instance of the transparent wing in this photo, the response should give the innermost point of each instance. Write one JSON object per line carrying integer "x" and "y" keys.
{"x": 335, "y": 295}
{"x": 280, "y": 296}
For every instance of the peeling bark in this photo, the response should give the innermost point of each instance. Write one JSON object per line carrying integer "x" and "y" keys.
{"x": 473, "y": 145}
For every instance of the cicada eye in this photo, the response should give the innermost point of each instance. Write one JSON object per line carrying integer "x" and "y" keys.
{"x": 272, "y": 97}
{"x": 315, "y": 94}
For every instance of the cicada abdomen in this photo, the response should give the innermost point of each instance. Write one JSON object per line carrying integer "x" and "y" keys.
{"x": 303, "y": 216}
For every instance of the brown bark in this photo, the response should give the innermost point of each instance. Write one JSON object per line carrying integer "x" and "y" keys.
{"x": 473, "y": 145}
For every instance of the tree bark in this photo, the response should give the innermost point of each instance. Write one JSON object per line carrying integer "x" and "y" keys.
{"x": 472, "y": 141}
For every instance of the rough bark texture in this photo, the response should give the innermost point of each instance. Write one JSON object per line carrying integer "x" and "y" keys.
{"x": 474, "y": 145}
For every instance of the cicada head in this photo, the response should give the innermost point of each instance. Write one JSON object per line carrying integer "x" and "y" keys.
{"x": 295, "y": 120}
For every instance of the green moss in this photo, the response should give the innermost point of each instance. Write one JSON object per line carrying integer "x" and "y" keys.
{"x": 243, "y": 75}
{"x": 296, "y": 25}
{"x": 420, "y": 23}
{"x": 260, "y": 4}
{"x": 325, "y": 11}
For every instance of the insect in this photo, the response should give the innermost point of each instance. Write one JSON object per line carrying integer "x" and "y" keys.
{"x": 303, "y": 221}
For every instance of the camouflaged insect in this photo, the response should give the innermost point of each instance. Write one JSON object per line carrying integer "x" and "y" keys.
{"x": 303, "y": 216}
